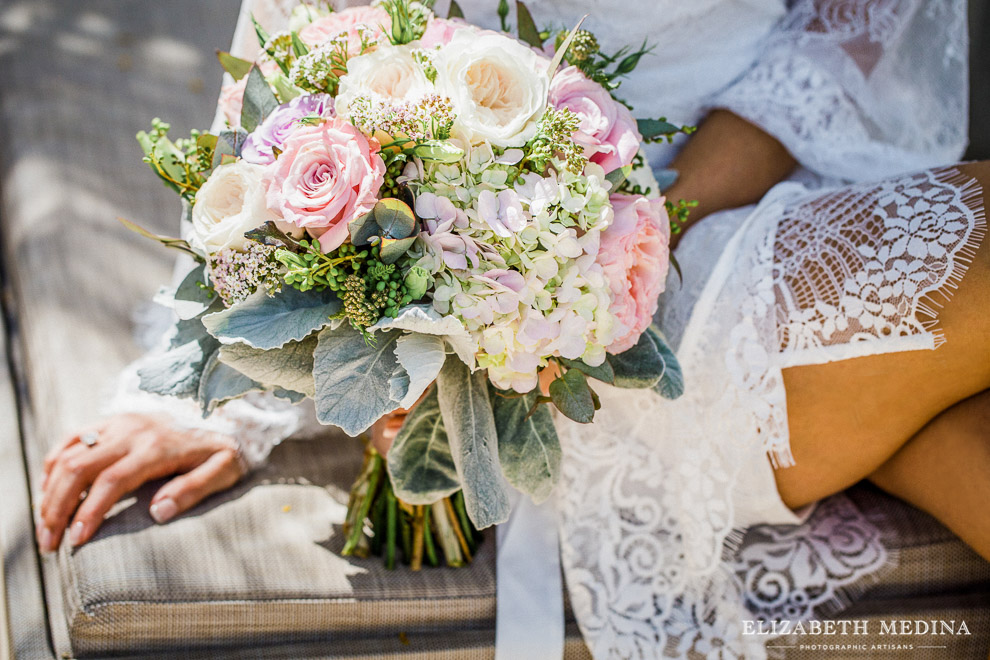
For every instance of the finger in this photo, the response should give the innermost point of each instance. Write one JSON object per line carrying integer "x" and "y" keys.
{"x": 72, "y": 474}
{"x": 109, "y": 487}
{"x": 69, "y": 441}
{"x": 220, "y": 471}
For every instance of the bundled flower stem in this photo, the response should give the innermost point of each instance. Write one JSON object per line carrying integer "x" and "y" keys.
{"x": 379, "y": 523}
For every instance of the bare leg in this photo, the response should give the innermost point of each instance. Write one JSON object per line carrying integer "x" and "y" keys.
{"x": 849, "y": 418}
{"x": 944, "y": 470}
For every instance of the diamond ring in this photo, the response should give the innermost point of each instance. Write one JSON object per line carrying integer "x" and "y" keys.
{"x": 89, "y": 439}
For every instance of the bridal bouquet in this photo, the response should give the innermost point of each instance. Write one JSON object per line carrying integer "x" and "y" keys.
{"x": 407, "y": 211}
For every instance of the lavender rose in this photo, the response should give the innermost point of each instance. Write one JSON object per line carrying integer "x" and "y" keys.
{"x": 275, "y": 130}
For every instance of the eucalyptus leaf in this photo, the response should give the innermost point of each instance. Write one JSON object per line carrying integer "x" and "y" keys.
{"x": 470, "y": 424}
{"x": 422, "y": 357}
{"x": 440, "y": 151}
{"x": 420, "y": 462}
{"x": 528, "y": 446}
{"x": 651, "y": 129}
{"x": 352, "y": 378}
{"x": 270, "y": 234}
{"x": 259, "y": 100}
{"x": 643, "y": 365}
{"x": 289, "y": 367}
{"x": 229, "y": 144}
{"x": 220, "y": 383}
{"x": 264, "y": 321}
{"x": 572, "y": 396}
{"x": 602, "y": 372}
{"x": 455, "y": 10}
{"x": 393, "y": 248}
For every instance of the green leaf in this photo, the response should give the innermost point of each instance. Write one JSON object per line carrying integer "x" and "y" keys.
{"x": 455, "y": 10}
{"x": 292, "y": 397}
{"x": 220, "y": 383}
{"x": 284, "y": 89}
{"x": 528, "y": 447}
{"x": 602, "y": 372}
{"x": 652, "y": 128}
{"x": 235, "y": 66}
{"x": 643, "y": 365}
{"x": 671, "y": 384}
{"x": 470, "y": 425}
{"x": 420, "y": 462}
{"x": 288, "y": 368}
{"x": 264, "y": 321}
{"x": 618, "y": 176}
{"x": 352, "y": 378}
{"x": 259, "y": 100}
{"x": 422, "y": 357}
{"x": 260, "y": 31}
{"x": 526, "y": 27}
{"x": 298, "y": 47}
{"x": 572, "y": 396}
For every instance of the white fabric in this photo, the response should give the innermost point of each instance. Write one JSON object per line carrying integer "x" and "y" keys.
{"x": 655, "y": 494}
{"x": 529, "y": 623}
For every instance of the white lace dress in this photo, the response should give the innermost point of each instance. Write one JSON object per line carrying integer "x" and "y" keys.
{"x": 837, "y": 263}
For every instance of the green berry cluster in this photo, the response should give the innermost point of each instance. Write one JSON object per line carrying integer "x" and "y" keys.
{"x": 369, "y": 288}
{"x": 583, "y": 47}
{"x": 554, "y": 138}
{"x": 393, "y": 170}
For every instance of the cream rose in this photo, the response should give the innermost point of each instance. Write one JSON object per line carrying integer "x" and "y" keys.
{"x": 231, "y": 202}
{"x": 497, "y": 85}
{"x": 389, "y": 72}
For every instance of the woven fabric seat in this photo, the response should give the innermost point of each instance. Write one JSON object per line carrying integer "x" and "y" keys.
{"x": 254, "y": 572}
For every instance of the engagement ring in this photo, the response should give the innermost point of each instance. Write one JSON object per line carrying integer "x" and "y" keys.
{"x": 89, "y": 439}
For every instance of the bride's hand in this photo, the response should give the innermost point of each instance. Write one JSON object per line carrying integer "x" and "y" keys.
{"x": 128, "y": 451}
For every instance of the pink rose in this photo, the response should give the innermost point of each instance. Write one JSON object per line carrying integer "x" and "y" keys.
{"x": 635, "y": 255}
{"x": 347, "y": 20}
{"x": 232, "y": 100}
{"x": 440, "y": 31}
{"x": 326, "y": 176}
{"x": 607, "y": 127}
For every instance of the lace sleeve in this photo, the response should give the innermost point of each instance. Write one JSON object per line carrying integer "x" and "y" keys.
{"x": 861, "y": 88}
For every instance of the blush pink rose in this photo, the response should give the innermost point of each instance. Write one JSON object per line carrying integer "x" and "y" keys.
{"x": 232, "y": 100}
{"x": 607, "y": 127}
{"x": 326, "y": 176}
{"x": 440, "y": 31}
{"x": 347, "y": 20}
{"x": 635, "y": 255}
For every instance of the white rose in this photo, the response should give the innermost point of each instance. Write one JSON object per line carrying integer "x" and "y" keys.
{"x": 388, "y": 72}
{"x": 497, "y": 85}
{"x": 231, "y": 202}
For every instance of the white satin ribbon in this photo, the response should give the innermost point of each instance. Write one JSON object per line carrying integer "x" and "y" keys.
{"x": 529, "y": 590}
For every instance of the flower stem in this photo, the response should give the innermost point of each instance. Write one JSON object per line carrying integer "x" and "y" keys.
{"x": 445, "y": 535}
{"x": 449, "y": 507}
{"x": 392, "y": 508}
{"x": 431, "y": 551}
{"x": 416, "y": 562}
{"x": 360, "y": 501}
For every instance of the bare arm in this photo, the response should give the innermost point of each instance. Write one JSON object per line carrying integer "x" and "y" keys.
{"x": 727, "y": 163}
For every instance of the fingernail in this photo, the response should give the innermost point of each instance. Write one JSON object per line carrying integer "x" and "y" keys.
{"x": 76, "y": 533}
{"x": 45, "y": 540}
{"x": 164, "y": 510}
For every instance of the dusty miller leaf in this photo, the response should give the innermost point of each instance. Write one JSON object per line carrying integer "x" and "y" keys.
{"x": 528, "y": 447}
{"x": 221, "y": 383}
{"x": 264, "y": 321}
{"x": 289, "y": 367}
{"x": 470, "y": 425}
{"x": 420, "y": 462}
{"x": 422, "y": 357}
{"x": 352, "y": 378}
